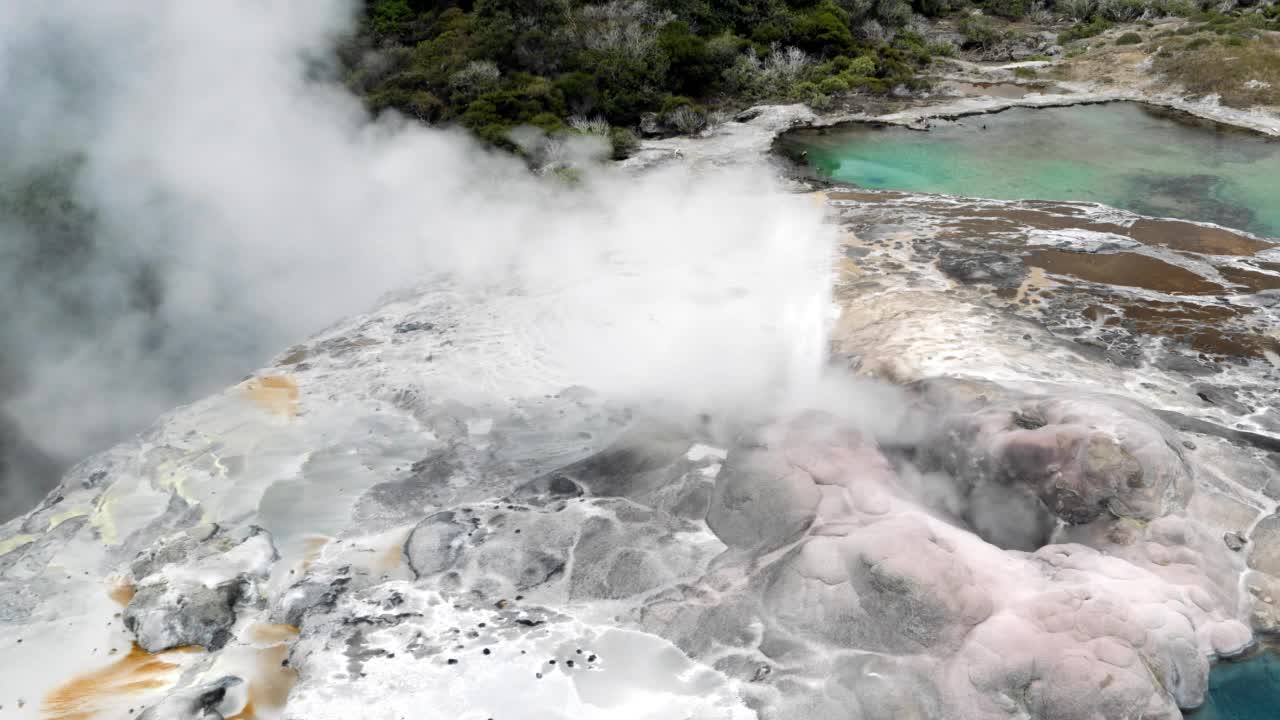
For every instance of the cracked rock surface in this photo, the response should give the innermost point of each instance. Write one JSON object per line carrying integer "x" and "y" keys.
{"x": 1040, "y": 554}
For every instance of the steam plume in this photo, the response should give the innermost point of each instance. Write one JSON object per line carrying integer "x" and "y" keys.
{"x": 224, "y": 198}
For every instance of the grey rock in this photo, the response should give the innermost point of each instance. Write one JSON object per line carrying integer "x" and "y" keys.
{"x": 888, "y": 689}
{"x": 1265, "y": 554}
{"x": 433, "y": 546}
{"x": 1223, "y": 397}
{"x": 165, "y": 616}
{"x": 175, "y": 549}
{"x": 197, "y": 703}
{"x": 311, "y": 595}
{"x": 650, "y": 125}
{"x": 760, "y": 502}
{"x": 991, "y": 268}
{"x": 1177, "y": 362}
{"x": 646, "y": 458}
{"x": 1082, "y": 457}
{"x": 1235, "y": 540}
{"x": 30, "y": 560}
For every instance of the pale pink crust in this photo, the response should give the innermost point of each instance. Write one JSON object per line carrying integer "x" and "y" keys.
{"x": 1118, "y": 616}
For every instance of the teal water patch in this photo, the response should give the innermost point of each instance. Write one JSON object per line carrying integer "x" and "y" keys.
{"x": 1127, "y": 155}
{"x": 1247, "y": 690}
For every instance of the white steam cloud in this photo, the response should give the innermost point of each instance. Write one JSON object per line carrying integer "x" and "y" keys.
{"x": 241, "y": 200}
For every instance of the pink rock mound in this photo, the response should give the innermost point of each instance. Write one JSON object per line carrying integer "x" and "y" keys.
{"x": 847, "y": 560}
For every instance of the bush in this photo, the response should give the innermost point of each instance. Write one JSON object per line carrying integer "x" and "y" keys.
{"x": 833, "y": 85}
{"x": 386, "y": 17}
{"x": 941, "y": 48}
{"x": 824, "y": 29}
{"x": 1174, "y": 8}
{"x": 1083, "y": 30}
{"x": 590, "y": 126}
{"x": 1121, "y": 11}
{"x": 474, "y": 79}
{"x": 895, "y": 13}
{"x": 624, "y": 143}
{"x": 1129, "y": 38}
{"x": 1039, "y": 14}
{"x": 686, "y": 119}
{"x": 1009, "y": 9}
{"x": 691, "y": 67}
{"x": 980, "y": 31}
{"x": 1078, "y": 10}
{"x": 931, "y": 8}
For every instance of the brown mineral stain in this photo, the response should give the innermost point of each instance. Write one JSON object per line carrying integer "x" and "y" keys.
{"x": 269, "y": 684}
{"x": 1191, "y": 237}
{"x": 1253, "y": 280}
{"x": 865, "y": 196}
{"x": 1128, "y": 269}
{"x": 957, "y": 220}
{"x": 969, "y": 228}
{"x": 311, "y": 548}
{"x": 1205, "y": 328}
{"x": 96, "y": 692}
{"x": 1009, "y": 91}
{"x": 391, "y": 556}
{"x": 277, "y": 394}
{"x": 121, "y": 592}
{"x": 272, "y": 634}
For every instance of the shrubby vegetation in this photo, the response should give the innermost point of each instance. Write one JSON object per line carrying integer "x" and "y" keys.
{"x": 1232, "y": 56}
{"x": 612, "y": 68}
{"x": 576, "y": 66}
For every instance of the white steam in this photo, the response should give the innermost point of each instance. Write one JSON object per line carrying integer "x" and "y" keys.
{"x": 213, "y": 152}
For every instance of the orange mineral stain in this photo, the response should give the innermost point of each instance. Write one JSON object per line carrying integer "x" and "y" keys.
{"x": 311, "y": 549}
{"x": 277, "y": 394}
{"x": 270, "y": 680}
{"x": 121, "y": 592}
{"x": 391, "y": 556}
{"x": 99, "y": 692}
{"x": 269, "y": 634}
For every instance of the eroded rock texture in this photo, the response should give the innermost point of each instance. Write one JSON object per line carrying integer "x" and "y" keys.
{"x": 350, "y": 540}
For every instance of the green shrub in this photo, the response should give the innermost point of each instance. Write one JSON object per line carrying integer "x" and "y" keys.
{"x": 1025, "y": 73}
{"x": 1129, "y": 38}
{"x": 1095, "y": 27}
{"x": 1078, "y": 10}
{"x": 386, "y": 17}
{"x": 941, "y": 48}
{"x": 495, "y": 65}
{"x": 1175, "y": 8}
{"x": 822, "y": 29}
{"x": 623, "y": 142}
{"x": 980, "y": 31}
{"x": 1121, "y": 11}
{"x": 671, "y": 103}
{"x": 833, "y": 85}
{"x": 1009, "y": 9}
{"x": 931, "y": 8}
{"x": 804, "y": 91}
{"x": 691, "y": 66}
